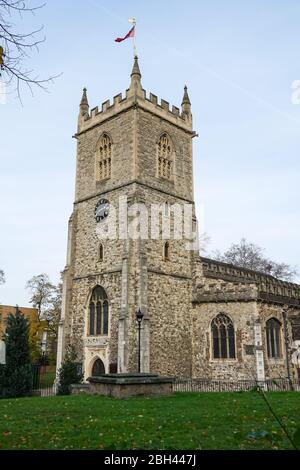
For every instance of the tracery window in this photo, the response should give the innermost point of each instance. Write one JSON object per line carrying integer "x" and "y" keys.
{"x": 222, "y": 330}
{"x": 103, "y": 162}
{"x": 165, "y": 157}
{"x": 98, "y": 312}
{"x": 273, "y": 330}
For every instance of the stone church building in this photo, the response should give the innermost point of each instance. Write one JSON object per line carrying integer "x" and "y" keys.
{"x": 201, "y": 318}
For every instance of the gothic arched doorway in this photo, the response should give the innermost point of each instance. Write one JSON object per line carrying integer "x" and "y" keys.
{"x": 98, "y": 368}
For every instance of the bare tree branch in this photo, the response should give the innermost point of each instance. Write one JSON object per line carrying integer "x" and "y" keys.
{"x": 19, "y": 5}
{"x": 248, "y": 255}
{"x": 16, "y": 46}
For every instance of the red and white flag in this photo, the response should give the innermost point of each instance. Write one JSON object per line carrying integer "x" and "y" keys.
{"x": 130, "y": 34}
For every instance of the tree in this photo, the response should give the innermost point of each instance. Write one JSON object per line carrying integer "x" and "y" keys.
{"x": 17, "y": 373}
{"x": 52, "y": 313}
{"x": 68, "y": 373}
{"x": 47, "y": 298}
{"x": 15, "y": 46}
{"x": 249, "y": 255}
{"x": 2, "y": 277}
{"x": 42, "y": 291}
{"x": 52, "y": 316}
{"x": 204, "y": 240}
{"x": 35, "y": 334}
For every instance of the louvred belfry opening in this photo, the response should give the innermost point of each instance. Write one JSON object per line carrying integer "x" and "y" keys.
{"x": 165, "y": 157}
{"x": 104, "y": 153}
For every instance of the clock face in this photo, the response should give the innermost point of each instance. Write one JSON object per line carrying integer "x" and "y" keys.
{"x": 101, "y": 209}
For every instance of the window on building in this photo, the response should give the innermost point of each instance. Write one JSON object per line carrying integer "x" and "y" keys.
{"x": 167, "y": 208}
{"x": 92, "y": 319}
{"x": 105, "y": 317}
{"x": 273, "y": 330}
{"x": 98, "y": 318}
{"x": 222, "y": 331}
{"x": 166, "y": 251}
{"x": 103, "y": 161}
{"x": 165, "y": 157}
{"x": 98, "y": 312}
{"x": 101, "y": 252}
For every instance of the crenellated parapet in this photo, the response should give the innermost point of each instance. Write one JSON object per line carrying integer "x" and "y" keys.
{"x": 270, "y": 289}
{"x": 135, "y": 96}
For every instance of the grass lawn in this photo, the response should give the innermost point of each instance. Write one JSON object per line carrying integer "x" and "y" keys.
{"x": 182, "y": 421}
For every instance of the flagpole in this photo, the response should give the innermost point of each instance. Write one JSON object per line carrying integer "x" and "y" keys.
{"x": 134, "y": 42}
{"x": 133, "y": 21}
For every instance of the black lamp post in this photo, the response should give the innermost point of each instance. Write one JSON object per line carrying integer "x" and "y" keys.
{"x": 139, "y": 318}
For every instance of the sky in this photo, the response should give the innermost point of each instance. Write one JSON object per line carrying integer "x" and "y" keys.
{"x": 239, "y": 61}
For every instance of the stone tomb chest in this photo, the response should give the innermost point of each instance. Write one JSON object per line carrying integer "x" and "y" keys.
{"x": 130, "y": 385}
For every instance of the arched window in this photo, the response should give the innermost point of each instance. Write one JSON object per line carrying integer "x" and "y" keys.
{"x": 98, "y": 312}
{"x": 166, "y": 251}
{"x": 273, "y": 330}
{"x": 92, "y": 318}
{"x": 98, "y": 318}
{"x": 103, "y": 162}
{"x": 98, "y": 368}
{"x": 105, "y": 317}
{"x": 101, "y": 252}
{"x": 222, "y": 331}
{"x": 167, "y": 208}
{"x": 165, "y": 157}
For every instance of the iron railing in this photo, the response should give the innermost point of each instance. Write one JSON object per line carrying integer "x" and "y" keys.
{"x": 36, "y": 376}
{"x": 38, "y": 388}
{"x": 207, "y": 385}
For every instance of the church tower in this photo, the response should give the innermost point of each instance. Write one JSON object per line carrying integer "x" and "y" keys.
{"x": 134, "y": 177}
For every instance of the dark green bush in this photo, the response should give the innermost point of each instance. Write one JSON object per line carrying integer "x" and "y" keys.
{"x": 69, "y": 373}
{"x": 16, "y": 375}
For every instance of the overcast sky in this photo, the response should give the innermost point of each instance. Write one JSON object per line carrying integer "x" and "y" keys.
{"x": 239, "y": 60}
